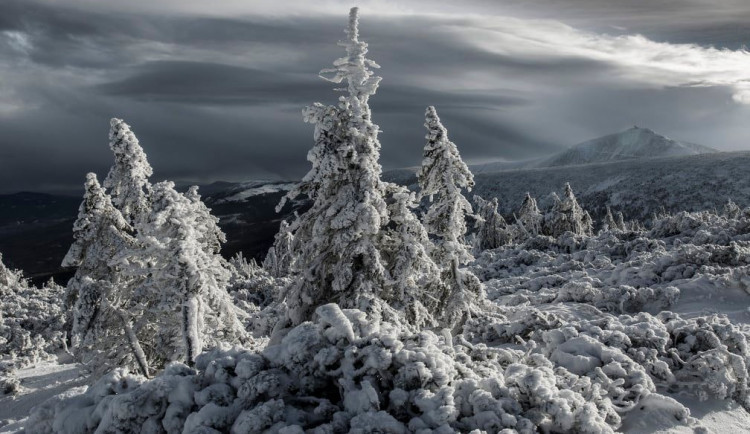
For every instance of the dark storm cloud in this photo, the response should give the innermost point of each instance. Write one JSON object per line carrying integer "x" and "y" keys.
{"x": 219, "y": 97}
{"x": 211, "y": 83}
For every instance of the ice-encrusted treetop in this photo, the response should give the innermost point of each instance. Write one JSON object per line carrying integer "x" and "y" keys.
{"x": 354, "y": 67}
{"x": 127, "y": 180}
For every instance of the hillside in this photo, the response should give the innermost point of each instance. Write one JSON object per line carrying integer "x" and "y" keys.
{"x": 633, "y": 143}
{"x": 247, "y": 215}
{"x": 637, "y": 188}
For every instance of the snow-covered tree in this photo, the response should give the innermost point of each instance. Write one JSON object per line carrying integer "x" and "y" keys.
{"x": 9, "y": 279}
{"x": 101, "y": 325}
{"x": 211, "y": 236}
{"x": 280, "y": 257}
{"x": 731, "y": 210}
{"x": 529, "y": 216}
{"x": 187, "y": 307}
{"x": 127, "y": 181}
{"x": 493, "y": 230}
{"x": 415, "y": 287}
{"x": 339, "y": 256}
{"x": 566, "y": 216}
{"x": 442, "y": 176}
{"x": 33, "y": 325}
{"x": 588, "y": 223}
{"x": 620, "y": 221}
{"x": 609, "y": 220}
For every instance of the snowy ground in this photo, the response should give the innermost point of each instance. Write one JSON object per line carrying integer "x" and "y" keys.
{"x": 38, "y": 383}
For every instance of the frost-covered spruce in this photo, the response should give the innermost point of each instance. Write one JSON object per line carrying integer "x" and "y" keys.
{"x": 185, "y": 305}
{"x": 588, "y": 223}
{"x": 101, "y": 330}
{"x": 415, "y": 287}
{"x": 210, "y": 235}
{"x": 530, "y": 217}
{"x": 609, "y": 223}
{"x": 620, "y": 221}
{"x": 127, "y": 181}
{"x": 339, "y": 257}
{"x": 441, "y": 177}
{"x": 566, "y": 216}
{"x": 493, "y": 230}
{"x": 280, "y": 257}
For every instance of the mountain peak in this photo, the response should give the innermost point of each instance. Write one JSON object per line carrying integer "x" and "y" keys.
{"x": 644, "y": 129}
{"x": 634, "y": 143}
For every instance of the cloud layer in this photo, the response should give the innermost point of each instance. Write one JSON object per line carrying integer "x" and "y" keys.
{"x": 216, "y": 93}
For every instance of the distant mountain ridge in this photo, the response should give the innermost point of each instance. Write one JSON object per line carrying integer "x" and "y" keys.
{"x": 633, "y": 143}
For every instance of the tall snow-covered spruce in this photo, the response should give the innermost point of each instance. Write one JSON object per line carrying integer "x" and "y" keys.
{"x": 127, "y": 180}
{"x": 340, "y": 258}
{"x": 101, "y": 331}
{"x": 441, "y": 178}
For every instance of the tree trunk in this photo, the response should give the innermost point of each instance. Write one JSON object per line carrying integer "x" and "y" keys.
{"x": 190, "y": 330}
{"x": 135, "y": 346}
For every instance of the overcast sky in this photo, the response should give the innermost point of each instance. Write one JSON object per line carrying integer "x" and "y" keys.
{"x": 214, "y": 90}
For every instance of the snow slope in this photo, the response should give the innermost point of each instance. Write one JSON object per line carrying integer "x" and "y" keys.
{"x": 38, "y": 383}
{"x": 633, "y": 143}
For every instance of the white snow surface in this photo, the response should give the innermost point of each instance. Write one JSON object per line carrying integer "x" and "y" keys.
{"x": 38, "y": 383}
{"x": 630, "y": 331}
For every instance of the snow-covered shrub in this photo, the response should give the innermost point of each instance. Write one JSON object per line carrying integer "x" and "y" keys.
{"x": 710, "y": 357}
{"x": 251, "y": 286}
{"x": 9, "y": 383}
{"x": 344, "y": 372}
{"x": 280, "y": 257}
{"x": 32, "y": 321}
